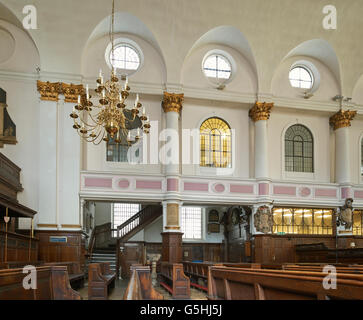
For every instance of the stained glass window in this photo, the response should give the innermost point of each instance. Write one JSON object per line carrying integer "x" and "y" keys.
{"x": 358, "y": 222}
{"x": 191, "y": 222}
{"x": 217, "y": 66}
{"x": 302, "y": 221}
{"x": 215, "y": 144}
{"x": 125, "y": 57}
{"x": 299, "y": 149}
{"x": 301, "y": 78}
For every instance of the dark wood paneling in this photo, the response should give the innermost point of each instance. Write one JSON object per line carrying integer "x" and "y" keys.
{"x": 72, "y": 250}
{"x": 172, "y": 247}
{"x": 18, "y": 247}
{"x": 281, "y": 249}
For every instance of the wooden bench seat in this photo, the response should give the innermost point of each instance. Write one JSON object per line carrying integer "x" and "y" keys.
{"x": 52, "y": 284}
{"x": 267, "y": 284}
{"x": 140, "y": 286}
{"x": 76, "y": 276}
{"x": 100, "y": 281}
{"x": 173, "y": 279}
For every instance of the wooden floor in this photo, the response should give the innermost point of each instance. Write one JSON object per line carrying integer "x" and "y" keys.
{"x": 121, "y": 285}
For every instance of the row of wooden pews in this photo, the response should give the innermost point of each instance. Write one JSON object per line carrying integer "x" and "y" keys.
{"x": 267, "y": 284}
{"x": 52, "y": 283}
{"x": 246, "y": 281}
{"x": 198, "y": 271}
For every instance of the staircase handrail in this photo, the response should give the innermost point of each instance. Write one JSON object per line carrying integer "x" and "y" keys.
{"x": 144, "y": 214}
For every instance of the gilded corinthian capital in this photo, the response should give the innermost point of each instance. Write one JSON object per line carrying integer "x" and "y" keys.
{"x": 261, "y": 111}
{"x": 50, "y": 91}
{"x": 172, "y": 102}
{"x": 342, "y": 119}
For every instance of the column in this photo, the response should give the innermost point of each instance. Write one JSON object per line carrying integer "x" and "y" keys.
{"x": 59, "y": 149}
{"x": 172, "y": 235}
{"x": 341, "y": 121}
{"x": 260, "y": 113}
{"x": 47, "y": 217}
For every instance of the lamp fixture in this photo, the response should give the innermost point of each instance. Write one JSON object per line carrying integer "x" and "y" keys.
{"x": 110, "y": 119}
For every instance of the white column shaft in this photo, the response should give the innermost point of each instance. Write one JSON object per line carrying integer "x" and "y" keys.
{"x": 261, "y": 151}
{"x": 342, "y": 155}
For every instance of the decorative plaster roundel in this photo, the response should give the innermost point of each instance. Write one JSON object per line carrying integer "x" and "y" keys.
{"x": 7, "y": 46}
{"x": 219, "y": 187}
{"x": 305, "y": 192}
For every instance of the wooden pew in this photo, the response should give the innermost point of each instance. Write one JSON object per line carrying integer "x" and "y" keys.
{"x": 358, "y": 269}
{"x": 267, "y": 284}
{"x": 76, "y": 276}
{"x": 100, "y": 281}
{"x": 173, "y": 279}
{"x": 20, "y": 264}
{"x": 52, "y": 284}
{"x": 198, "y": 271}
{"x": 140, "y": 286}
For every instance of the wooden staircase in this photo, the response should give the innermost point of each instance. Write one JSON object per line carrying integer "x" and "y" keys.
{"x": 138, "y": 222}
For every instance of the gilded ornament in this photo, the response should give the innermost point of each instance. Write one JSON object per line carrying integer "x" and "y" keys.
{"x": 261, "y": 111}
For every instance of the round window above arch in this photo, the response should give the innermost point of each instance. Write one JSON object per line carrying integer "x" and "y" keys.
{"x": 218, "y": 67}
{"x": 126, "y": 57}
{"x": 305, "y": 76}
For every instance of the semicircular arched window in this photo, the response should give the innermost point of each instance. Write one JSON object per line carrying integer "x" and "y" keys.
{"x": 215, "y": 144}
{"x": 299, "y": 149}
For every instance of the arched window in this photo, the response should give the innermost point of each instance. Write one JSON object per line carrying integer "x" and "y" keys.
{"x": 215, "y": 144}
{"x": 299, "y": 149}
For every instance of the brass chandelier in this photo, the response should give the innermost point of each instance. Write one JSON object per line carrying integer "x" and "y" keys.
{"x": 110, "y": 119}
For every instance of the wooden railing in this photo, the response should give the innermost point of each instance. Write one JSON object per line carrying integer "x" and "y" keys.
{"x": 144, "y": 216}
{"x": 105, "y": 230}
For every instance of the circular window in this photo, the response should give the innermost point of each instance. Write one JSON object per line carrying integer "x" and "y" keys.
{"x": 125, "y": 57}
{"x": 218, "y": 67}
{"x": 301, "y": 77}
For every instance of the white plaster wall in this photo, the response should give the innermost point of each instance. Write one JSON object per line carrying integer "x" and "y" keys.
{"x": 151, "y": 71}
{"x": 95, "y": 155}
{"x": 243, "y": 77}
{"x": 281, "y": 87}
{"x": 318, "y": 124}
{"x": 102, "y": 213}
{"x": 23, "y": 108}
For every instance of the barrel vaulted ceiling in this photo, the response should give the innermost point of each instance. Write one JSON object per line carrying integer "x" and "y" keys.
{"x": 265, "y": 31}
